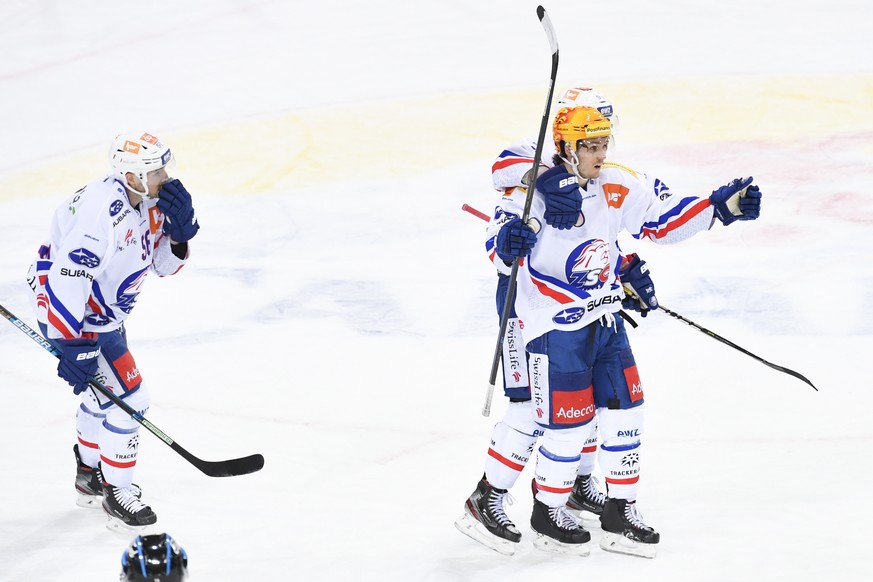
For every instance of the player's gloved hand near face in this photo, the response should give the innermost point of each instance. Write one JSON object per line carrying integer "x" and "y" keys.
{"x": 739, "y": 200}
{"x": 515, "y": 240}
{"x": 563, "y": 200}
{"x": 78, "y": 363}
{"x": 638, "y": 286}
{"x": 180, "y": 222}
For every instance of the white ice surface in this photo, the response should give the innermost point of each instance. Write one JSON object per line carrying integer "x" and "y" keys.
{"x": 338, "y": 315}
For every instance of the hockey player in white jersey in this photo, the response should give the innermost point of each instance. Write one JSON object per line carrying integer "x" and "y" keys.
{"x": 85, "y": 281}
{"x": 569, "y": 288}
{"x": 513, "y": 438}
{"x": 512, "y": 170}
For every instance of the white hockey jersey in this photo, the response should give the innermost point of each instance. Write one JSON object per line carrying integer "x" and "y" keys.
{"x": 515, "y": 161}
{"x": 570, "y": 279}
{"x": 88, "y": 274}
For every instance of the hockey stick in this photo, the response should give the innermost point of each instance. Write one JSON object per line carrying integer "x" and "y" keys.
{"x": 712, "y": 334}
{"x": 229, "y": 468}
{"x": 476, "y": 213}
{"x": 736, "y": 347}
{"x": 513, "y": 276}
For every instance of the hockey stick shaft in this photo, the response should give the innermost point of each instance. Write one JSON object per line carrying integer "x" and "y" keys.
{"x": 229, "y": 468}
{"x": 725, "y": 341}
{"x": 513, "y": 276}
{"x": 476, "y": 213}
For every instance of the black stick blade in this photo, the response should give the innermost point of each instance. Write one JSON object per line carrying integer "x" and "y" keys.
{"x": 228, "y": 468}
{"x": 728, "y": 342}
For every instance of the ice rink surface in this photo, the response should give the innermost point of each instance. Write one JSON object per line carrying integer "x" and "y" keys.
{"x": 337, "y": 314}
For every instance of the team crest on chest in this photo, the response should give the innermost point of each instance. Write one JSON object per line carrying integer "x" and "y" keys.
{"x": 588, "y": 265}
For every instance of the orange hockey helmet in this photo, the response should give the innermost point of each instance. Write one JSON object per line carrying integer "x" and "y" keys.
{"x": 573, "y": 124}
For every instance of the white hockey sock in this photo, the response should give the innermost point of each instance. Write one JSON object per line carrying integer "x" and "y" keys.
{"x": 119, "y": 440}
{"x": 507, "y": 455}
{"x": 620, "y": 451}
{"x": 557, "y": 460}
{"x": 621, "y": 468}
{"x": 118, "y": 451}
{"x": 512, "y": 443}
{"x": 87, "y": 429}
{"x": 588, "y": 456}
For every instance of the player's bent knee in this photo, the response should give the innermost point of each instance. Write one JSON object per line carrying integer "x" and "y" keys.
{"x": 139, "y": 400}
{"x": 519, "y": 416}
{"x": 620, "y": 427}
{"x": 566, "y": 442}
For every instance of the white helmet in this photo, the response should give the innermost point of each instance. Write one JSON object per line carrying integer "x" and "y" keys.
{"x": 138, "y": 153}
{"x": 588, "y": 97}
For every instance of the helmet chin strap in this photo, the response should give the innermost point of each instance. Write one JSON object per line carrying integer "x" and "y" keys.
{"x": 573, "y": 162}
{"x": 144, "y": 192}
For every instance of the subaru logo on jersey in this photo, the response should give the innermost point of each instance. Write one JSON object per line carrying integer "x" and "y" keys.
{"x": 115, "y": 207}
{"x": 97, "y": 319}
{"x": 569, "y": 315}
{"x": 84, "y": 257}
{"x": 588, "y": 266}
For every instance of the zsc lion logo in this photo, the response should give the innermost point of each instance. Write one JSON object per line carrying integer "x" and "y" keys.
{"x": 588, "y": 265}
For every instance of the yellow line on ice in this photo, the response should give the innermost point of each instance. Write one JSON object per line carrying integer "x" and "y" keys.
{"x": 385, "y": 139}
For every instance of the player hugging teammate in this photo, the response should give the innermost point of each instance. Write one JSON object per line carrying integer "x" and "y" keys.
{"x": 573, "y": 279}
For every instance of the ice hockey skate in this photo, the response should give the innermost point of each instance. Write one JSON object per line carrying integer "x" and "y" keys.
{"x": 89, "y": 484}
{"x": 485, "y": 519}
{"x": 625, "y": 532}
{"x": 126, "y": 511}
{"x": 587, "y": 499}
{"x": 557, "y": 530}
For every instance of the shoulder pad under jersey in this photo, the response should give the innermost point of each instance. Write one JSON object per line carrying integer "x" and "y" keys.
{"x": 630, "y": 171}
